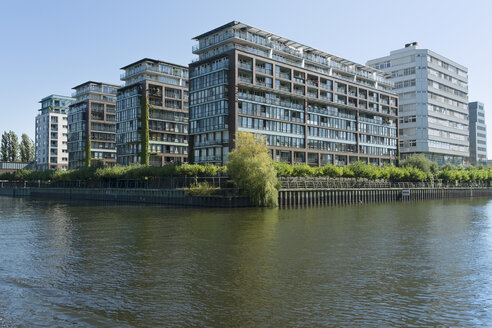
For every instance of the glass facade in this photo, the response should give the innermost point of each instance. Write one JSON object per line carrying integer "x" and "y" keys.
{"x": 165, "y": 88}
{"x": 92, "y": 117}
{"x": 308, "y": 105}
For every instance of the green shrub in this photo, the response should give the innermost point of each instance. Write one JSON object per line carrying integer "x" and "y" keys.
{"x": 203, "y": 189}
{"x": 283, "y": 169}
{"x": 420, "y": 162}
{"x": 366, "y": 171}
{"x": 347, "y": 172}
{"x": 302, "y": 170}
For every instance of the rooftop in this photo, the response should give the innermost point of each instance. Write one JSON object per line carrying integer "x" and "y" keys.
{"x": 56, "y": 97}
{"x": 154, "y": 61}
{"x": 98, "y": 83}
{"x": 291, "y": 44}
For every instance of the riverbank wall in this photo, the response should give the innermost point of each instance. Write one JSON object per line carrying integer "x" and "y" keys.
{"x": 174, "y": 197}
{"x": 287, "y": 197}
{"x": 351, "y": 196}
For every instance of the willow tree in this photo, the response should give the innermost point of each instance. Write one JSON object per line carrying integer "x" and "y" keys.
{"x": 144, "y": 153}
{"x": 252, "y": 169}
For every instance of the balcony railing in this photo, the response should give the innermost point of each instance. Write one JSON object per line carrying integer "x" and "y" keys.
{"x": 318, "y": 59}
{"x": 280, "y": 87}
{"x": 263, "y": 70}
{"x": 245, "y": 66}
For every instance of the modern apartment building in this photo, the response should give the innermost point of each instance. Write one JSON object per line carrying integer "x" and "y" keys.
{"x": 165, "y": 87}
{"x": 51, "y": 133}
{"x": 478, "y": 133}
{"x": 310, "y": 106}
{"x": 92, "y": 123}
{"x": 433, "y": 93}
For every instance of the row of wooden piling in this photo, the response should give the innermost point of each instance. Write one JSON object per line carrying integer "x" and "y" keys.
{"x": 333, "y": 197}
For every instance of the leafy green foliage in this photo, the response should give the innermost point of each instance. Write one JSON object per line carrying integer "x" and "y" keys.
{"x": 135, "y": 171}
{"x": 144, "y": 152}
{"x": 88, "y": 153}
{"x": 9, "y": 148}
{"x": 252, "y": 169}
{"x": 26, "y": 149}
{"x": 5, "y": 146}
{"x": 203, "y": 189}
{"x": 420, "y": 162}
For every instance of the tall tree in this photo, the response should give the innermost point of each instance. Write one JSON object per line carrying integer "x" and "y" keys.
{"x": 251, "y": 167}
{"x": 13, "y": 148}
{"x": 26, "y": 149}
{"x": 4, "y": 148}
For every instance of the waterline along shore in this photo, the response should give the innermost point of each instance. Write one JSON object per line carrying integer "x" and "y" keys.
{"x": 293, "y": 193}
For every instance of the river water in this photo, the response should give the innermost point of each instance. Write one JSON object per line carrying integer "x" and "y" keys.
{"x": 73, "y": 264}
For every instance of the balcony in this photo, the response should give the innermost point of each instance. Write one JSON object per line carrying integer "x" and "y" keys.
{"x": 283, "y": 88}
{"x": 245, "y": 66}
{"x": 312, "y": 94}
{"x": 207, "y": 143}
{"x": 299, "y": 80}
{"x": 264, "y": 84}
{"x": 245, "y": 79}
{"x": 263, "y": 70}
{"x": 285, "y": 76}
{"x": 312, "y": 83}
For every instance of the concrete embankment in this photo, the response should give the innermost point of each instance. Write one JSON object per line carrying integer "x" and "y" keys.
{"x": 329, "y": 197}
{"x": 142, "y": 196}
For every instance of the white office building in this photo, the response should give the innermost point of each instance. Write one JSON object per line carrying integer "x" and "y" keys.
{"x": 433, "y": 108}
{"x": 51, "y": 133}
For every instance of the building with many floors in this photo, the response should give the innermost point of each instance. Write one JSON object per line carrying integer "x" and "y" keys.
{"x": 51, "y": 133}
{"x": 92, "y": 123}
{"x": 165, "y": 87}
{"x": 433, "y": 92}
{"x": 478, "y": 133}
{"x": 311, "y": 106}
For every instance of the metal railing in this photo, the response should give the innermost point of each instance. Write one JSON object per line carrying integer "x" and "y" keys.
{"x": 334, "y": 183}
{"x": 149, "y": 183}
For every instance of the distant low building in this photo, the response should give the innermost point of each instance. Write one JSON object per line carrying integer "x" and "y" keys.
{"x": 9, "y": 167}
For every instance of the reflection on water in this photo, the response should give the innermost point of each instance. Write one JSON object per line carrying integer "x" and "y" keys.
{"x": 421, "y": 264}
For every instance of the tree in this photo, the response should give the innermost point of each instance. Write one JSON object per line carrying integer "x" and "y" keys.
{"x": 251, "y": 168}
{"x": 5, "y": 147}
{"x": 420, "y": 162}
{"x": 144, "y": 153}
{"x": 26, "y": 149}
{"x": 13, "y": 147}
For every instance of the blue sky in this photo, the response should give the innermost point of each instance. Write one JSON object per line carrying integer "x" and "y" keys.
{"x": 47, "y": 47}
